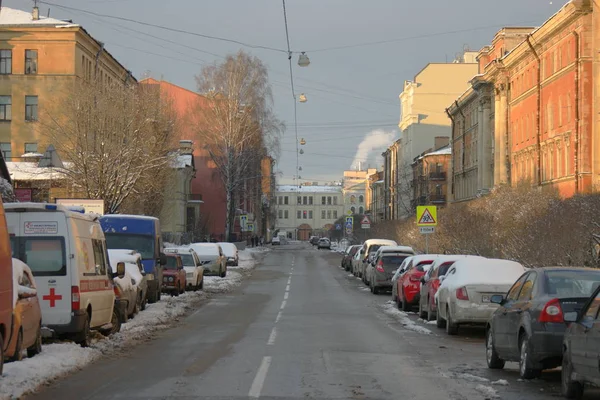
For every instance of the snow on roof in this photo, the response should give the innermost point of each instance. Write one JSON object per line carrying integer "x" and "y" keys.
{"x": 11, "y": 16}
{"x": 29, "y": 171}
{"x": 129, "y": 216}
{"x": 182, "y": 161}
{"x": 205, "y": 249}
{"x": 308, "y": 189}
{"x": 475, "y": 271}
{"x": 443, "y": 151}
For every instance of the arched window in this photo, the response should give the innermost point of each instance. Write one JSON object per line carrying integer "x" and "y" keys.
{"x": 353, "y": 199}
{"x": 361, "y": 199}
{"x": 353, "y": 209}
{"x": 360, "y": 209}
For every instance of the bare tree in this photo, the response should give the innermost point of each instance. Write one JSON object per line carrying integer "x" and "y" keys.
{"x": 236, "y": 122}
{"x": 116, "y": 140}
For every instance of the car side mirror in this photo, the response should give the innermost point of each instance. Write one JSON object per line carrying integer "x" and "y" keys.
{"x": 121, "y": 269}
{"x": 162, "y": 259}
{"x": 497, "y": 299}
{"x": 27, "y": 294}
{"x": 571, "y": 316}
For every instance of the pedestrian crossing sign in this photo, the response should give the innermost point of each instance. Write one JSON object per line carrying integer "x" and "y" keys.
{"x": 426, "y": 216}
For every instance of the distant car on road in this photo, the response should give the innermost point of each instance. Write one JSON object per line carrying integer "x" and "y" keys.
{"x": 194, "y": 272}
{"x": 314, "y": 240}
{"x": 324, "y": 243}
{"x": 529, "y": 325}
{"x": 386, "y": 261}
{"x": 231, "y": 252}
{"x": 275, "y": 241}
{"x": 212, "y": 258}
{"x": 174, "y": 279}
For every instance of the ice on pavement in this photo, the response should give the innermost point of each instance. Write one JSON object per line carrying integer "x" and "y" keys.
{"x": 59, "y": 359}
{"x": 500, "y": 382}
{"x": 391, "y": 309}
{"x": 487, "y": 391}
{"x": 471, "y": 377}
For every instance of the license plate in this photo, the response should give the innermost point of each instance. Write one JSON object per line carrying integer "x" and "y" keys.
{"x": 485, "y": 298}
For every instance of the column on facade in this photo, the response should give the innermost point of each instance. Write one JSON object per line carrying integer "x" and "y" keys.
{"x": 595, "y": 137}
{"x": 485, "y": 138}
{"x": 500, "y": 134}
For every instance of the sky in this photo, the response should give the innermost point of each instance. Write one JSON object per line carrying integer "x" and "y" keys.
{"x": 361, "y": 53}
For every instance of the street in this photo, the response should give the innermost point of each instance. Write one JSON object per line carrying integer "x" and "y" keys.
{"x": 301, "y": 328}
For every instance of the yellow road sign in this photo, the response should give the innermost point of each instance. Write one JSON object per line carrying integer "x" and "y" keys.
{"x": 426, "y": 216}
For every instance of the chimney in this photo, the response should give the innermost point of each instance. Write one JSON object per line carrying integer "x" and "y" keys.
{"x": 441, "y": 141}
{"x": 186, "y": 147}
{"x": 36, "y": 13}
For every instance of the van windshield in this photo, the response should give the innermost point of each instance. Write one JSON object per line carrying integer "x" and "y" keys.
{"x": 171, "y": 262}
{"x": 44, "y": 255}
{"x": 143, "y": 244}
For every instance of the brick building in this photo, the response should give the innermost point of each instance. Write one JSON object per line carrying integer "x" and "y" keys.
{"x": 430, "y": 178}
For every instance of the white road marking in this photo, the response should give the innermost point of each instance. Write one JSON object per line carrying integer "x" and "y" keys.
{"x": 272, "y": 337}
{"x": 283, "y": 303}
{"x": 278, "y": 317}
{"x": 289, "y": 280}
{"x": 259, "y": 379}
{"x": 287, "y": 288}
{"x": 286, "y": 295}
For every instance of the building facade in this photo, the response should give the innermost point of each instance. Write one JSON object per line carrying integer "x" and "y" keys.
{"x": 376, "y": 198}
{"x": 303, "y": 211}
{"x": 430, "y": 178}
{"x": 355, "y": 191}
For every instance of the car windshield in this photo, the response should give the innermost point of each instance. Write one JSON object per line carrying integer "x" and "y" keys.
{"x": 171, "y": 263}
{"x": 187, "y": 260}
{"x": 45, "y": 256}
{"x": 374, "y": 248}
{"x": 443, "y": 269}
{"x": 572, "y": 283}
{"x": 143, "y": 244}
{"x": 391, "y": 263}
{"x": 424, "y": 266}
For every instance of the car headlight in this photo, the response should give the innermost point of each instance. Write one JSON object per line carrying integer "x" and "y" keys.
{"x": 189, "y": 275}
{"x": 171, "y": 279}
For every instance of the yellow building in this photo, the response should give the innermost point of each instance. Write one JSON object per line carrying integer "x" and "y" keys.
{"x": 38, "y": 57}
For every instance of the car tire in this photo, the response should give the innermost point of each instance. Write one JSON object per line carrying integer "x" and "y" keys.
{"x": 116, "y": 322}
{"x": 451, "y": 327}
{"x": 224, "y": 274}
{"x": 570, "y": 389}
{"x": 430, "y": 314}
{"x": 525, "y": 371}
{"x": 439, "y": 321}
{"x": 158, "y": 295}
{"x": 201, "y": 286}
{"x": 85, "y": 337}
{"x": 18, "y": 356}
{"x": 36, "y": 347}
{"x": 493, "y": 360}
{"x": 405, "y": 306}
{"x": 374, "y": 289}
{"x": 144, "y": 302}
{"x": 422, "y": 314}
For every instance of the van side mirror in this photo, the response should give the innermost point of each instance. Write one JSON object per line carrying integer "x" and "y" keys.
{"x": 571, "y": 316}
{"x": 121, "y": 269}
{"x": 497, "y": 299}
{"x": 162, "y": 259}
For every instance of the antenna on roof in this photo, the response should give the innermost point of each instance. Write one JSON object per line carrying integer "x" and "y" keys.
{"x": 48, "y": 12}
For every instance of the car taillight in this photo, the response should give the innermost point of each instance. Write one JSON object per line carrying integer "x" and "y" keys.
{"x": 75, "y": 298}
{"x": 380, "y": 266}
{"x": 116, "y": 290}
{"x": 552, "y": 312}
{"x": 461, "y": 293}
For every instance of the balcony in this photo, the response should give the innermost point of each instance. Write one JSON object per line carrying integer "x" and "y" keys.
{"x": 437, "y": 199}
{"x": 194, "y": 198}
{"x": 437, "y": 176}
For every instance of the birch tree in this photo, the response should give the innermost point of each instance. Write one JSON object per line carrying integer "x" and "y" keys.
{"x": 236, "y": 122}
{"x": 112, "y": 137}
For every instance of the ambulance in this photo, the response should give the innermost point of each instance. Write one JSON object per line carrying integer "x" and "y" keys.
{"x": 66, "y": 252}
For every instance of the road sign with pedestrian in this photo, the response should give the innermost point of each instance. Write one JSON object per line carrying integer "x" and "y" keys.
{"x": 243, "y": 222}
{"x": 426, "y": 216}
{"x": 250, "y": 227}
{"x": 338, "y": 227}
{"x": 350, "y": 221}
{"x": 365, "y": 223}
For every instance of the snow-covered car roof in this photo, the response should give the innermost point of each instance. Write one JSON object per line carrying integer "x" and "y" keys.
{"x": 228, "y": 248}
{"x": 396, "y": 249}
{"x": 205, "y": 249}
{"x": 178, "y": 250}
{"x": 473, "y": 271}
{"x": 385, "y": 242}
{"x": 441, "y": 259}
{"x": 124, "y": 255}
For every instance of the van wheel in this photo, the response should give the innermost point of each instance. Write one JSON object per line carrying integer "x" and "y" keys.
{"x": 36, "y": 348}
{"x": 201, "y": 286}
{"x": 18, "y": 356}
{"x": 144, "y": 301}
{"x": 85, "y": 337}
{"x": 1, "y": 354}
{"x": 115, "y": 321}
{"x": 224, "y": 274}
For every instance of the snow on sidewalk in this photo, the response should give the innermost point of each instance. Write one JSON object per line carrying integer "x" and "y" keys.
{"x": 390, "y": 308}
{"x": 60, "y": 359}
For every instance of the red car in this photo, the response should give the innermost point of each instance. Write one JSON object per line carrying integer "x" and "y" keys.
{"x": 409, "y": 284}
{"x": 174, "y": 281}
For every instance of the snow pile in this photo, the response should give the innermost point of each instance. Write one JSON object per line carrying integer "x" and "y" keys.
{"x": 390, "y": 309}
{"x": 500, "y": 382}
{"x": 215, "y": 284}
{"x": 487, "y": 391}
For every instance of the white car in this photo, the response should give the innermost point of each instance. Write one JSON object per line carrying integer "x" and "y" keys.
{"x": 211, "y": 258}
{"x": 275, "y": 241}
{"x": 231, "y": 252}
{"x": 132, "y": 286}
{"x": 356, "y": 261}
{"x": 194, "y": 272}
{"x": 466, "y": 289}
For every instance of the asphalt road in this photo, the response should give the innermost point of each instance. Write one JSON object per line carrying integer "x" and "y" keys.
{"x": 301, "y": 328}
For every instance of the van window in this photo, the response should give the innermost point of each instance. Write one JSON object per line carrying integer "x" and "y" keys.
{"x": 99, "y": 256}
{"x": 44, "y": 255}
{"x": 143, "y": 244}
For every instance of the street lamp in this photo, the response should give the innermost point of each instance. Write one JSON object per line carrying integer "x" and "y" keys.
{"x": 301, "y": 151}
{"x": 302, "y": 98}
{"x": 303, "y": 60}
{"x": 302, "y": 142}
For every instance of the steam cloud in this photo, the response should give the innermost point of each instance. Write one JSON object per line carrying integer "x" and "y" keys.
{"x": 370, "y": 149}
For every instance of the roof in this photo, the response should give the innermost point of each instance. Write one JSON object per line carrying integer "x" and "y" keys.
{"x": 50, "y": 207}
{"x": 442, "y": 151}
{"x": 14, "y": 17}
{"x": 183, "y": 161}
{"x": 30, "y": 171}
{"x": 308, "y": 189}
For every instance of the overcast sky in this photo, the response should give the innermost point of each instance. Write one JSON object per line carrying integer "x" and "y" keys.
{"x": 351, "y": 91}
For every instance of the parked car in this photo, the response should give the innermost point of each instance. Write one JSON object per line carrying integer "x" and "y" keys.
{"x": 132, "y": 287}
{"x": 371, "y": 267}
{"x": 581, "y": 352}
{"x": 174, "y": 280}
{"x": 275, "y": 241}
{"x": 66, "y": 252}
{"x": 143, "y": 234}
{"x": 314, "y": 240}
{"x": 368, "y": 250}
{"x": 347, "y": 257}
{"x": 134, "y": 267}
{"x": 27, "y": 322}
{"x": 408, "y": 285}
{"x": 324, "y": 243}
{"x": 194, "y": 272}
{"x": 356, "y": 261}
{"x": 231, "y": 252}
{"x": 6, "y": 286}
{"x": 386, "y": 263}
{"x": 431, "y": 282}
{"x": 464, "y": 297}
{"x": 529, "y": 325}
{"x": 211, "y": 258}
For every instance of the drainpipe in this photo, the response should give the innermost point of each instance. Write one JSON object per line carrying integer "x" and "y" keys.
{"x": 462, "y": 161}
{"x": 577, "y": 132}
{"x": 98, "y": 58}
{"x": 451, "y": 158}
{"x": 539, "y": 111}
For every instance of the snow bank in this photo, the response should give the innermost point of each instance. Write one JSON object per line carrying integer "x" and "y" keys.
{"x": 391, "y": 309}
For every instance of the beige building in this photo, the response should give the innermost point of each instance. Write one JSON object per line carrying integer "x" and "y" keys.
{"x": 39, "y": 56}
{"x": 355, "y": 191}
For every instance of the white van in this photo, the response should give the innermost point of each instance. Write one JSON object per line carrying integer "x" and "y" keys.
{"x": 370, "y": 247}
{"x": 66, "y": 252}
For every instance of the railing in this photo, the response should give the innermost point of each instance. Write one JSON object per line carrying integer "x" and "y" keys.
{"x": 437, "y": 176}
{"x": 437, "y": 198}
{"x": 194, "y": 197}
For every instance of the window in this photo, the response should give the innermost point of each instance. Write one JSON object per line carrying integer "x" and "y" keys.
{"x": 322, "y": 214}
{"x": 353, "y": 199}
{"x": 310, "y": 200}
{"x": 5, "y": 62}
{"x": 99, "y": 257}
{"x": 280, "y": 214}
{"x": 323, "y": 200}
{"x": 592, "y": 311}
{"x": 310, "y": 214}
{"x": 31, "y": 148}
{"x": 304, "y": 214}
{"x": 299, "y": 199}
{"x": 286, "y": 200}
{"x": 44, "y": 255}
{"x": 279, "y": 200}
{"x": 513, "y": 293}
{"x": 6, "y": 151}
{"x": 361, "y": 199}
{"x": 527, "y": 290}
{"x": 353, "y": 209}
{"x": 286, "y": 214}
{"x": 305, "y": 200}
{"x": 361, "y": 209}
{"x": 328, "y": 214}
{"x": 335, "y": 200}
{"x": 335, "y": 214}
{"x": 31, "y": 108}
{"x": 5, "y": 108}
{"x": 31, "y": 57}
{"x": 328, "y": 200}
{"x": 298, "y": 214}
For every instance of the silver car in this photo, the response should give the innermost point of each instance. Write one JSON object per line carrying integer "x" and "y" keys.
{"x": 386, "y": 262}
{"x": 211, "y": 258}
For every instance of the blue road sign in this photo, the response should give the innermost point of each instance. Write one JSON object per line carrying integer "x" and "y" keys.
{"x": 338, "y": 227}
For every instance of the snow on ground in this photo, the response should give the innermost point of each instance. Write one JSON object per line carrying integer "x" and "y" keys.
{"x": 500, "y": 382}
{"x": 390, "y": 308}
{"x": 487, "y": 391}
{"x": 59, "y": 359}
{"x": 433, "y": 322}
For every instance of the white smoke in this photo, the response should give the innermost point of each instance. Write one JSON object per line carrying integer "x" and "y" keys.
{"x": 370, "y": 149}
